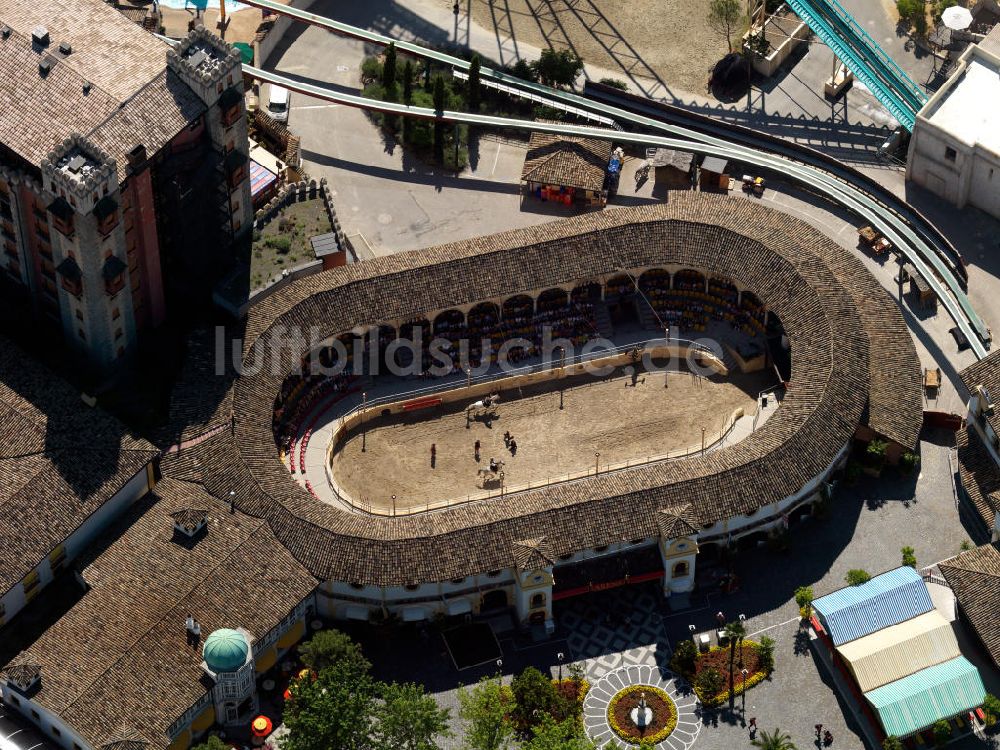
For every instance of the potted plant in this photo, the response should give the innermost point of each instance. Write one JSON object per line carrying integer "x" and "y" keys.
{"x": 875, "y": 457}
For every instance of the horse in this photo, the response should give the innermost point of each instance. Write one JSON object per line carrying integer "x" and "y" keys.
{"x": 488, "y": 404}
{"x": 487, "y": 473}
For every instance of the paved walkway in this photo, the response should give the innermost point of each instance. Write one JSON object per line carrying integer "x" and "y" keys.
{"x": 595, "y": 706}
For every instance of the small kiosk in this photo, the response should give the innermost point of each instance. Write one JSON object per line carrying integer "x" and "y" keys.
{"x": 571, "y": 171}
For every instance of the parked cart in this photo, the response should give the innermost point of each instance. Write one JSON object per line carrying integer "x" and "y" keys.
{"x": 753, "y": 185}
{"x": 873, "y": 240}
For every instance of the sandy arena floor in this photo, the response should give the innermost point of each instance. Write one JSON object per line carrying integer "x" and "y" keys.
{"x": 665, "y": 40}
{"x": 623, "y": 422}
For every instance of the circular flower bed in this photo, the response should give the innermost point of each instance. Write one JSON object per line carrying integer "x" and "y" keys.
{"x": 625, "y": 701}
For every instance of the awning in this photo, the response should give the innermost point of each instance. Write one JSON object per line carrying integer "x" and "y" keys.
{"x": 261, "y": 178}
{"x": 354, "y": 612}
{"x": 459, "y": 606}
{"x": 414, "y": 614}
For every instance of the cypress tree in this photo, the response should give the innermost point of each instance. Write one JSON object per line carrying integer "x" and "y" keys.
{"x": 438, "y": 123}
{"x": 475, "y": 93}
{"x": 389, "y": 67}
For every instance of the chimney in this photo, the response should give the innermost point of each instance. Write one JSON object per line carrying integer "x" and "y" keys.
{"x": 40, "y": 36}
{"x": 136, "y": 158}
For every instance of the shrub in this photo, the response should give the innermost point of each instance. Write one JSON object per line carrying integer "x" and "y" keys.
{"x": 281, "y": 244}
{"x": 892, "y": 742}
{"x": 915, "y": 12}
{"x": 534, "y": 694}
{"x": 942, "y": 732}
{"x": 852, "y": 473}
{"x": 615, "y": 83}
{"x": 857, "y": 576}
{"x": 558, "y": 68}
{"x": 684, "y": 657}
{"x": 875, "y": 453}
{"x": 965, "y": 546}
{"x": 991, "y": 707}
{"x": 709, "y": 684}
{"x": 909, "y": 558}
{"x": 765, "y": 652}
{"x": 522, "y": 69}
{"x": 371, "y": 69}
{"x": 908, "y": 462}
{"x": 804, "y": 596}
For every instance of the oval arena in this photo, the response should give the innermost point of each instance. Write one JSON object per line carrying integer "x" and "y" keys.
{"x": 787, "y": 300}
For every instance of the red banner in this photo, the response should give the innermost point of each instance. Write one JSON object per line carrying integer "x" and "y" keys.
{"x": 607, "y": 585}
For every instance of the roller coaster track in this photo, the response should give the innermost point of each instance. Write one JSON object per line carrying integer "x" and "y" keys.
{"x": 928, "y": 254}
{"x": 864, "y": 57}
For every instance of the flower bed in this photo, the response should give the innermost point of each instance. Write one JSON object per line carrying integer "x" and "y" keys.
{"x": 620, "y": 714}
{"x": 718, "y": 658}
{"x": 571, "y": 689}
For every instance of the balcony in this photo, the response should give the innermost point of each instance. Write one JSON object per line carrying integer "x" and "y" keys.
{"x": 114, "y": 275}
{"x": 72, "y": 277}
{"x": 62, "y": 216}
{"x": 106, "y": 212}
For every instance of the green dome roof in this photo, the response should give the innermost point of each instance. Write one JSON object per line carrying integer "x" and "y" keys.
{"x": 225, "y": 650}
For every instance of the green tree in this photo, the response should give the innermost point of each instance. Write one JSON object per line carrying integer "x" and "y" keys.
{"x": 710, "y": 683}
{"x": 857, "y": 576}
{"x": 335, "y": 709}
{"x": 213, "y": 743}
{"x": 723, "y": 17}
{"x": 409, "y": 719}
{"x": 475, "y": 88}
{"x": 942, "y": 732}
{"x": 909, "y": 558}
{"x": 765, "y": 653}
{"x": 524, "y": 70}
{"x": 558, "y": 68}
{"x": 736, "y": 631}
{"x": 408, "y": 83}
{"x": 389, "y": 67}
{"x": 776, "y": 740}
{"x": 549, "y": 734}
{"x": 892, "y": 742}
{"x": 804, "y": 598}
{"x": 330, "y": 647}
{"x": 991, "y": 707}
{"x": 439, "y": 102}
{"x": 682, "y": 661}
{"x": 914, "y": 11}
{"x": 615, "y": 83}
{"x": 484, "y": 712}
{"x": 534, "y": 695}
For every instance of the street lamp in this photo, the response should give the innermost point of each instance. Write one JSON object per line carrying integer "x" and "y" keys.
{"x": 745, "y": 672}
{"x": 364, "y": 412}
{"x": 499, "y": 671}
{"x": 232, "y": 501}
{"x": 560, "y": 656}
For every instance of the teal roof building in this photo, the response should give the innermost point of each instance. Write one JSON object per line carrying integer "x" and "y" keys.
{"x": 225, "y": 650}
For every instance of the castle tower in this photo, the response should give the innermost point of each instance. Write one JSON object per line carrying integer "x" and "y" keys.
{"x": 213, "y": 70}
{"x": 228, "y": 660}
{"x": 86, "y": 244}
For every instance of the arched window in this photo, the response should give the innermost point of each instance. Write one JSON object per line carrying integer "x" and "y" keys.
{"x": 537, "y": 601}
{"x": 680, "y": 570}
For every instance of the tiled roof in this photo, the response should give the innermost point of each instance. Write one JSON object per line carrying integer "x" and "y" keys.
{"x": 974, "y": 576}
{"x": 675, "y": 522}
{"x": 132, "y": 99}
{"x": 532, "y": 554}
{"x": 60, "y": 460}
{"x": 986, "y": 372}
{"x": 980, "y": 476}
{"x": 820, "y": 292}
{"x": 562, "y": 160}
{"x": 119, "y": 657}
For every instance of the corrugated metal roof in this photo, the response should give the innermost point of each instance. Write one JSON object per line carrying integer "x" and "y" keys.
{"x": 916, "y": 702}
{"x": 887, "y": 599}
{"x": 895, "y": 652}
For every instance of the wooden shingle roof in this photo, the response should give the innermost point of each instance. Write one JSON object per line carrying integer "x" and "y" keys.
{"x": 563, "y": 160}
{"x": 974, "y": 576}
{"x": 118, "y": 657}
{"x": 60, "y": 460}
{"x": 821, "y": 293}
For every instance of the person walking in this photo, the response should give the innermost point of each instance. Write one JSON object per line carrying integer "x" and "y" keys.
{"x": 477, "y": 451}
{"x": 434, "y": 452}
{"x": 513, "y": 447}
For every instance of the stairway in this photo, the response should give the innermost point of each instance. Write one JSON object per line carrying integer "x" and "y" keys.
{"x": 646, "y": 317}
{"x": 603, "y": 319}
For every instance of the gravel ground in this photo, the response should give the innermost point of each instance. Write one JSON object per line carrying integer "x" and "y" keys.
{"x": 665, "y": 40}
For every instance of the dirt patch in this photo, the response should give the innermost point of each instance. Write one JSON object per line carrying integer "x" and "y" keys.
{"x": 668, "y": 41}
{"x": 620, "y": 420}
